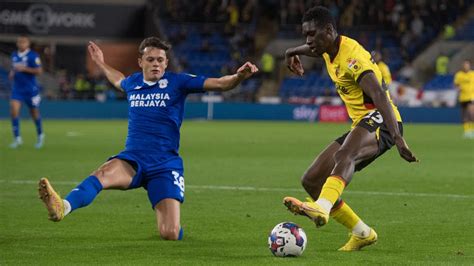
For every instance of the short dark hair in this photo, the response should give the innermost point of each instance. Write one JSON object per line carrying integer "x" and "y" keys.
{"x": 321, "y": 16}
{"x": 153, "y": 42}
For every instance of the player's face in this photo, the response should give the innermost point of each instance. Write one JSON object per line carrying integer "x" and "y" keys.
{"x": 318, "y": 38}
{"x": 466, "y": 66}
{"x": 153, "y": 63}
{"x": 22, "y": 43}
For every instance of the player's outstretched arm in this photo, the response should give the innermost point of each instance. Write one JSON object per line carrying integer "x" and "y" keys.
{"x": 229, "y": 82}
{"x": 292, "y": 58}
{"x": 30, "y": 70}
{"x": 114, "y": 76}
{"x": 372, "y": 88}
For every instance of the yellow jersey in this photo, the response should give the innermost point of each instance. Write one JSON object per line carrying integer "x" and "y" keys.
{"x": 346, "y": 70}
{"x": 387, "y": 77}
{"x": 465, "y": 83}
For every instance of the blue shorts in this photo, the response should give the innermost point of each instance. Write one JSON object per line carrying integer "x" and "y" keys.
{"x": 161, "y": 175}
{"x": 30, "y": 98}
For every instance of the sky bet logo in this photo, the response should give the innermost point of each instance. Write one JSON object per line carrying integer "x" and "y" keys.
{"x": 39, "y": 18}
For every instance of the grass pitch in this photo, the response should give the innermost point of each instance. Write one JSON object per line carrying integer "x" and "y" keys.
{"x": 236, "y": 176}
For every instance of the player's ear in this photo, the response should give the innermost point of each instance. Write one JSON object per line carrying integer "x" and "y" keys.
{"x": 140, "y": 62}
{"x": 329, "y": 29}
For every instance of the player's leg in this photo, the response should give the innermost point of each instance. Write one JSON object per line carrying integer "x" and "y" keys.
{"x": 15, "y": 106}
{"x": 33, "y": 102}
{"x": 114, "y": 174}
{"x": 314, "y": 177}
{"x": 470, "y": 119}
{"x": 361, "y": 234}
{"x": 313, "y": 181}
{"x": 36, "y": 116}
{"x": 465, "y": 118}
{"x": 166, "y": 193}
{"x": 168, "y": 219}
{"x": 359, "y": 145}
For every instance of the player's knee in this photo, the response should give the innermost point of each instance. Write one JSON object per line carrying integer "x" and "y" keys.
{"x": 307, "y": 180}
{"x": 169, "y": 232}
{"x": 341, "y": 156}
{"x": 99, "y": 173}
{"x": 102, "y": 175}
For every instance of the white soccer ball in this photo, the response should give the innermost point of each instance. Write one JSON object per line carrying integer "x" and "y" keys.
{"x": 287, "y": 239}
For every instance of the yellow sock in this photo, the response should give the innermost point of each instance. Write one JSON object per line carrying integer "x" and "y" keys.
{"x": 333, "y": 188}
{"x": 344, "y": 215}
{"x": 466, "y": 127}
{"x": 471, "y": 126}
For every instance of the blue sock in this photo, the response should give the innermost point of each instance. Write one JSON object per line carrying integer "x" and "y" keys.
{"x": 39, "y": 126}
{"x": 84, "y": 193}
{"x": 181, "y": 232}
{"x": 16, "y": 127}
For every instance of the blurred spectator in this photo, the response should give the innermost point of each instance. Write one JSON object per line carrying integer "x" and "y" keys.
{"x": 448, "y": 31}
{"x": 233, "y": 11}
{"x": 416, "y": 25}
{"x": 64, "y": 85}
{"x": 248, "y": 11}
{"x": 406, "y": 73}
{"x": 442, "y": 64}
{"x": 268, "y": 65}
{"x": 82, "y": 87}
{"x": 100, "y": 89}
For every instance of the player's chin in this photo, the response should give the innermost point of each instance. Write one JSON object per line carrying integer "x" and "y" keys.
{"x": 156, "y": 75}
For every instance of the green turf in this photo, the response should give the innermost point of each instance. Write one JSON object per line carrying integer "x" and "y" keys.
{"x": 427, "y": 220}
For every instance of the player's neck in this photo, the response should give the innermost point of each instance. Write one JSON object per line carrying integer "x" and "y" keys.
{"x": 334, "y": 49}
{"x": 24, "y": 51}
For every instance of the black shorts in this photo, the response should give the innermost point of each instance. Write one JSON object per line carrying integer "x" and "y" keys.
{"x": 372, "y": 123}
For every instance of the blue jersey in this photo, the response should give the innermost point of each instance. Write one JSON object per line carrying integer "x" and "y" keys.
{"x": 22, "y": 81}
{"x": 156, "y": 110}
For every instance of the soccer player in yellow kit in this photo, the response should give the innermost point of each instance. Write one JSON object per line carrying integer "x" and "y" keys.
{"x": 376, "y": 126}
{"x": 464, "y": 80}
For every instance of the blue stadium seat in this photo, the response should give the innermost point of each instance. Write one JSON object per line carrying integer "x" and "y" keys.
{"x": 440, "y": 82}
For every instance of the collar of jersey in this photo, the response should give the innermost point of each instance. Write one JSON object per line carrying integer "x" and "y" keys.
{"x": 152, "y": 83}
{"x": 21, "y": 54}
{"x": 149, "y": 83}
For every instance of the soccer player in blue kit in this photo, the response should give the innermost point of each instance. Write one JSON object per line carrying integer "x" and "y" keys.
{"x": 156, "y": 106}
{"x": 26, "y": 65}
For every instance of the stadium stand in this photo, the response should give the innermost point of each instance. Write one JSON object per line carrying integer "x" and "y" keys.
{"x": 212, "y": 38}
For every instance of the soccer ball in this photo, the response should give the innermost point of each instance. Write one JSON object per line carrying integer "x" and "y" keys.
{"x": 287, "y": 239}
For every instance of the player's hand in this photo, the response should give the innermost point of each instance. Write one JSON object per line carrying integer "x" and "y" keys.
{"x": 294, "y": 65}
{"x": 95, "y": 52}
{"x": 247, "y": 70}
{"x": 404, "y": 151}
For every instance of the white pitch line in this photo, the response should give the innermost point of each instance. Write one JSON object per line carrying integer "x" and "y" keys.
{"x": 268, "y": 189}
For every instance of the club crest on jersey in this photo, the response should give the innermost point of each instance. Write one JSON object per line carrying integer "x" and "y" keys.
{"x": 352, "y": 64}
{"x": 163, "y": 83}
